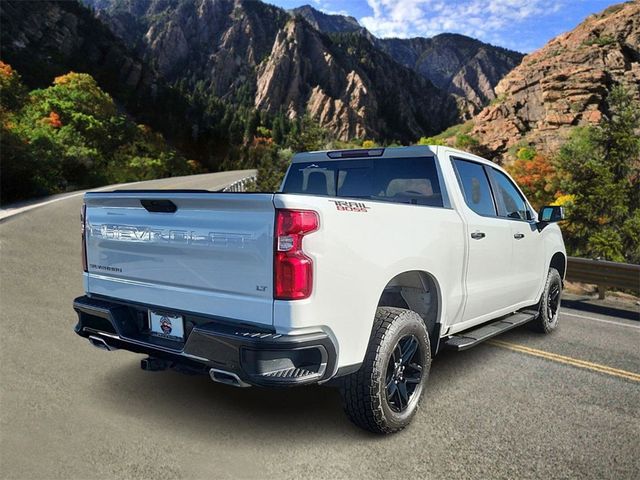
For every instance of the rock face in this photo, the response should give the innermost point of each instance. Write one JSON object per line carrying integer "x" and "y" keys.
{"x": 462, "y": 66}
{"x": 565, "y": 83}
{"x": 307, "y": 72}
{"x": 219, "y": 42}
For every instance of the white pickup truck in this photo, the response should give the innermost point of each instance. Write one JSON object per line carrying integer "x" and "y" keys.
{"x": 355, "y": 274}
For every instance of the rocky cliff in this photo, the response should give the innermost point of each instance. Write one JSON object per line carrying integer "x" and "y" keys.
{"x": 462, "y": 66}
{"x": 564, "y": 84}
{"x": 218, "y": 42}
{"x": 349, "y": 86}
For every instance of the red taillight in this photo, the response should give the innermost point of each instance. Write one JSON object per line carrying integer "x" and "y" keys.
{"x": 293, "y": 270}
{"x": 83, "y": 220}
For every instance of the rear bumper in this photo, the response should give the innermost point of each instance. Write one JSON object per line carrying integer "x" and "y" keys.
{"x": 256, "y": 357}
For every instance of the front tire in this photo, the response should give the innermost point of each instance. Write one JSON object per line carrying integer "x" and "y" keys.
{"x": 383, "y": 395}
{"x": 549, "y": 306}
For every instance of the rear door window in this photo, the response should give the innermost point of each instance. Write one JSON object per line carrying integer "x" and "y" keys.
{"x": 513, "y": 204}
{"x": 399, "y": 180}
{"x": 475, "y": 187}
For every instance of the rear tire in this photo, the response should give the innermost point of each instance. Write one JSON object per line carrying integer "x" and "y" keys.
{"x": 549, "y": 305}
{"x": 384, "y": 394}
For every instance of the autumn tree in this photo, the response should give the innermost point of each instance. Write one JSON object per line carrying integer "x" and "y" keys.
{"x": 536, "y": 175}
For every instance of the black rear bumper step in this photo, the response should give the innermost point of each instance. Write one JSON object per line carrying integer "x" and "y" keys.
{"x": 471, "y": 338}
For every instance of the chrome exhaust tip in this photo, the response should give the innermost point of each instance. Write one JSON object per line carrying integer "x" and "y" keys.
{"x": 228, "y": 378}
{"x": 100, "y": 343}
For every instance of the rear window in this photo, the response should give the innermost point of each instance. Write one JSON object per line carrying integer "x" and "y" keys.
{"x": 398, "y": 180}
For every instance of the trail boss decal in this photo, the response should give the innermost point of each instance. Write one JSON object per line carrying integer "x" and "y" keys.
{"x": 345, "y": 206}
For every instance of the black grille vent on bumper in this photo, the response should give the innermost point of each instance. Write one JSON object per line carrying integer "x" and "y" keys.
{"x": 259, "y": 335}
{"x": 290, "y": 373}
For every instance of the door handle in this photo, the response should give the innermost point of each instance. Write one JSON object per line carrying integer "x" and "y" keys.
{"x": 518, "y": 236}
{"x": 478, "y": 235}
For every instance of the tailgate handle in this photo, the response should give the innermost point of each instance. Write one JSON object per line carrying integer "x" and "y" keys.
{"x": 164, "y": 206}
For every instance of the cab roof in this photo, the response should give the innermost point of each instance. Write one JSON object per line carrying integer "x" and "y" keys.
{"x": 382, "y": 152}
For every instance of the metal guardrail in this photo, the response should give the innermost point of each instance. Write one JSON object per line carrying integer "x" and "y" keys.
{"x": 239, "y": 185}
{"x": 604, "y": 274}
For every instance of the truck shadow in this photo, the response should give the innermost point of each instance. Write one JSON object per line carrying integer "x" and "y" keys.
{"x": 197, "y": 406}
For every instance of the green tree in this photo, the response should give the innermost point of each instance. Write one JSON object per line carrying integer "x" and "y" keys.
{"x": 431, "y": 141}
{"x": 236, "y": 130}
{"x": 278, "y": 129}
{"x": 29, "y": 167}
{"x": 311, "y": 136}
{"x": 253, "y": 121}
{"x": 600, "y": 167}
{"x": 272, "y": 168}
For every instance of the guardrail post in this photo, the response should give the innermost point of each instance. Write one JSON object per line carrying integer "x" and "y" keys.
{"x": 602, "y": 290}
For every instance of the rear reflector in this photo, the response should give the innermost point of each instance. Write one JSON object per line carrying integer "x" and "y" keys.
{"x": 293, "y": 270}
{"x": 83, "y": 221}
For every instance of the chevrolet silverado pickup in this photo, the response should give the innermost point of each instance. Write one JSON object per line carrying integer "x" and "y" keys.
{"x": 355, "y": 274}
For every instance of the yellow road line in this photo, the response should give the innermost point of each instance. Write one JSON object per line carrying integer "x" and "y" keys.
{"x": 596, "y": 367}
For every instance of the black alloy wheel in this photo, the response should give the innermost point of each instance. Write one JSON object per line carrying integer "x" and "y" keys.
{"x": 404, "y": 372}
{"x": 553, "y": 302}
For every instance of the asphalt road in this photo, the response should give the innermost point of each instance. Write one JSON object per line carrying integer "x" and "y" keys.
{"x": 501, "y": 410}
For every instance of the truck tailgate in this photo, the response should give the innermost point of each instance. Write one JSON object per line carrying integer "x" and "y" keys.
{"x": 213, "y": 255}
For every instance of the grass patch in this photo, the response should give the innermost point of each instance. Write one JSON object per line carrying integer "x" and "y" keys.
{"x": 452, "y": 132}
{"x": 499, "y": 99}
{"x": 600, "y": 41}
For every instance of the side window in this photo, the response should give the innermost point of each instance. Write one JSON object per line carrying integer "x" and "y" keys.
{"x": 514, "y": 204}
{"x": 475, "y": 186}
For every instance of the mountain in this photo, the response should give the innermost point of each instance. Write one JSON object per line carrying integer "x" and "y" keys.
{"x": 462, "y": 66}
{"x": 328, "y": 23}
{"x": 254, "y": 54}
{"x": 564, "y": 84}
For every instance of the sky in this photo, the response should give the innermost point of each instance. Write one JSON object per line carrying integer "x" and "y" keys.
{"x": 522, "y": 25}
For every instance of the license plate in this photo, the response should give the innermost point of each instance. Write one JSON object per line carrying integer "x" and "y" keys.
{"x": 166, "y": 325}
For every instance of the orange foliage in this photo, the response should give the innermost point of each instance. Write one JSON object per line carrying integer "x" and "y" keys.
{"x": 537, "y": 177}
{"x": 53, "y": 119}
{"x": 66, "y": 78}
{"x": 262, "y": 141}
{"x": 5, "y": 69}
{"x": 534, "y": 171}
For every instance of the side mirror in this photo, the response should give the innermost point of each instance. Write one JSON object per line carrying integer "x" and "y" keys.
{"x": 549, "y": 214}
